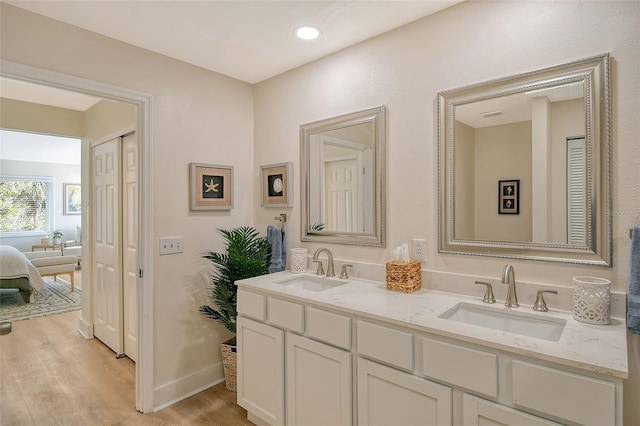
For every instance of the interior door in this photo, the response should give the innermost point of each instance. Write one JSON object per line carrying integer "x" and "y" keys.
{"x": 107, "y": 272}
{"x": 130, "y": 243}
{"x": 343, "y": 212}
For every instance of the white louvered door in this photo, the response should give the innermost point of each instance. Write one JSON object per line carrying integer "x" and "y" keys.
{"x": 576, "y": 192}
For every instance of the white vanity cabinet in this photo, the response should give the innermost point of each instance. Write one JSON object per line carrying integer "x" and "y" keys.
{"x": 302, "y": 363}
{"x": 318, "y": 384}
{"x": 426, "y": 379}
{"x": 260, "y": 376}
{"x": 390, "y": 397}
{"x": 287, "y": 374}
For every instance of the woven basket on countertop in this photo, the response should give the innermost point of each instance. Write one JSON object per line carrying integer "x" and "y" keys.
{"x": 405, "y": 277}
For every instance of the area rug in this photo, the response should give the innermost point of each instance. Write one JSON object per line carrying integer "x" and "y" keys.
{"x": 55, "y": 298}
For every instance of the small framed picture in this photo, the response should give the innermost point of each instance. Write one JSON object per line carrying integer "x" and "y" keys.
{"x": 275, "y": 184}
{"x": 72, "y": 200}
{"x": 509, "y": 196}
{"x": 211, "y": 187}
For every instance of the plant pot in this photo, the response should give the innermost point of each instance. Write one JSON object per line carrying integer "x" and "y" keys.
{"x": 57, "y": 240}
{"x": 230, "y": 364}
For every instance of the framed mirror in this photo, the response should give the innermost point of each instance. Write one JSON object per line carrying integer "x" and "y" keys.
{"x": 343, "y": 179}
{"x": 524, "y": 165}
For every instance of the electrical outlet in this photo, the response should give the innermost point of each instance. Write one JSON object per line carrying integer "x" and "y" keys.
{"x": 420, "y": 249}
{"x": 179, "y": 245}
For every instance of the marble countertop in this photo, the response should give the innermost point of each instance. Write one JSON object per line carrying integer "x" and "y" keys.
{"x": 597, "y": 348}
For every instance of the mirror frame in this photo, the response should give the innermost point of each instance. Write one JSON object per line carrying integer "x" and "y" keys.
{"x": 594, "y": 72}
{"x": 377, "y": 116}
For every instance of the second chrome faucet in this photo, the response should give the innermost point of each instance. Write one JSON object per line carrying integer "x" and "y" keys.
{"x": 509, "y": 278}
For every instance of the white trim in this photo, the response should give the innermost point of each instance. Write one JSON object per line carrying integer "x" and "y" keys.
{"x": 85, "y": 329}
{"x": 180, "y": 389}
{"x": 144, "y": 102}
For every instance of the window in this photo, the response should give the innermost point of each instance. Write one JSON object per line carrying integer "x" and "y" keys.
{"x": 25, "y": 205}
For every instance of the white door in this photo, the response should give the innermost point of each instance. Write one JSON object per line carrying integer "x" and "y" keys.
{"x": 130, "y": 243}
{"x": 318, "y": 383}
{"x": 344, "y": 213}
{"x": 391, "y": 397}
{"x": 261, "y": 370}
{"x": 577, "y": 191}
{"x": 107, "y": 272}
{"x": 478, "y": 412}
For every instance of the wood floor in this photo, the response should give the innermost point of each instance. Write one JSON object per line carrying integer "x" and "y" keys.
{"x": 50, "y": 375}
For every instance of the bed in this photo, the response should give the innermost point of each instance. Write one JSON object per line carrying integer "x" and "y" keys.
{"x": 17, "y": 272}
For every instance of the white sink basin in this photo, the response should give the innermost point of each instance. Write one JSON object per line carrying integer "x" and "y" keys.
{"x": 532, "y": 325}
{"x": 311, "y": 283}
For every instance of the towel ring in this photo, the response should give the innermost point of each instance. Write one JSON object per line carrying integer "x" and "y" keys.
{"x": 282, "y": 218}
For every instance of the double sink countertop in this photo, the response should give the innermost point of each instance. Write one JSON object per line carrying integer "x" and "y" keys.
{"x": 597, "y": 348}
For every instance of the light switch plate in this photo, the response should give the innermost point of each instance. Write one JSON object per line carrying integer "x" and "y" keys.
{"x": 171, "y": 245}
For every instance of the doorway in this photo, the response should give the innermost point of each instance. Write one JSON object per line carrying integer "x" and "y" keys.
{"x": 144, "y": 366}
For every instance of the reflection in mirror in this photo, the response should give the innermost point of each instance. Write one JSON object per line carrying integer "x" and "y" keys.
{"x": 343, "y": 179}
{"x": 524, "y": 166}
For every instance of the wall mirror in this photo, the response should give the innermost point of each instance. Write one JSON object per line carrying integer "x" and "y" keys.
{"x": 524, "y": 165}
{"x": 343, "y": 179}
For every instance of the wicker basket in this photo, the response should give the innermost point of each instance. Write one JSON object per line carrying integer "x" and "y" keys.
{"x": 405, "y": 277}
{"x": 230, "y": 364}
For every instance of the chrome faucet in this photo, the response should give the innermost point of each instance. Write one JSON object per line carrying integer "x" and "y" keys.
{"x": 509, "y": 278}
{"x": 330, "y": 269}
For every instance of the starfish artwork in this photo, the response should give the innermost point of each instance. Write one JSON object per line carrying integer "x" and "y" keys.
{"x": 211, "y": 186}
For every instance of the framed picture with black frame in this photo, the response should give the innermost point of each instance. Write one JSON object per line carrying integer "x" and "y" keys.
{"x": 211, "y": 187}
{"x": 509, "y": 196}
{"x": 276, "y": 186}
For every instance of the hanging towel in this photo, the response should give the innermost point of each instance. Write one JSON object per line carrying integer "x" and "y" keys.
{"x": 633, "y": 311}
{"x": 275, "y": 237}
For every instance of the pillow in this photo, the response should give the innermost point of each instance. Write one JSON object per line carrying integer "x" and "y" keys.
{"x": 79, "y": 234}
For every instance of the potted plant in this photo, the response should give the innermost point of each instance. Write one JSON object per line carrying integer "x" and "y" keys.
{"x": 56, "y": 236}
{"x": 247, "y": 255}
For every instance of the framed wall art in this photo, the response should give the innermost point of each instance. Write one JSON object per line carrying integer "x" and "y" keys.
{"x": 72, "y": 198}
{"x": 276, "y": 186}
{"x": 211, "y": 187}
{"x": 509, "y": 196}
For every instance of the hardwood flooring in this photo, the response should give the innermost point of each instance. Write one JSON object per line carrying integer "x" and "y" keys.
{"x": 50, "y": 375}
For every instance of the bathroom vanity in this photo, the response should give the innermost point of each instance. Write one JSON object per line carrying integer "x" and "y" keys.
{"x": 325, "y": 351}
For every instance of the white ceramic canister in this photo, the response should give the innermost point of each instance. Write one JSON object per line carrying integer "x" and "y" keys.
{"x": 298, "y": 260}
{"x": 591, "y": 300}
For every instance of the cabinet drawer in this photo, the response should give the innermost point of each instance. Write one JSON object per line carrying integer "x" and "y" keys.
{"x": 478, "y": 412}
{"x": 391, "y": 346}
{"x": 469, "y": 368}
{"x": 329, "y": 327}
{"x": 252, "y": 305}
{"x": 286, "y": 314}
{"x": 566, "y": 395}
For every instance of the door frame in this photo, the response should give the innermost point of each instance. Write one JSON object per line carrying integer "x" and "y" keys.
{"x": 143, "y": 102}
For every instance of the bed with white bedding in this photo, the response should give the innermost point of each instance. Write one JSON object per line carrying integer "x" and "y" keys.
{"x": 17, "y": 272}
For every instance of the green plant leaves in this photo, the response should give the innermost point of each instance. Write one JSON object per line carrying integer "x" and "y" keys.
{"x": 247, "y": 255}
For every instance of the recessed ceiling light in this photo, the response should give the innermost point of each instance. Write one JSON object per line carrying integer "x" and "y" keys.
{"x": 307, "y": 33}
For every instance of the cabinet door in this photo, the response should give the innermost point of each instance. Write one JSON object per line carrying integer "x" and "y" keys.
{"x": 478, "y": 412}
{"x": 318, "y": 383}
{"x": 391, "y": 397}
{"x": 261, "y": 370}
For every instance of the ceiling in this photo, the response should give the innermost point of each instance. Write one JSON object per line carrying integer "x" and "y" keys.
{"x": 247, "y": 40}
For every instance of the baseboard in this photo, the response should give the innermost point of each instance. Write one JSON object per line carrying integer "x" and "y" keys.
{"x": 85, "y": 329}
{"x": 170, "y": 393}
